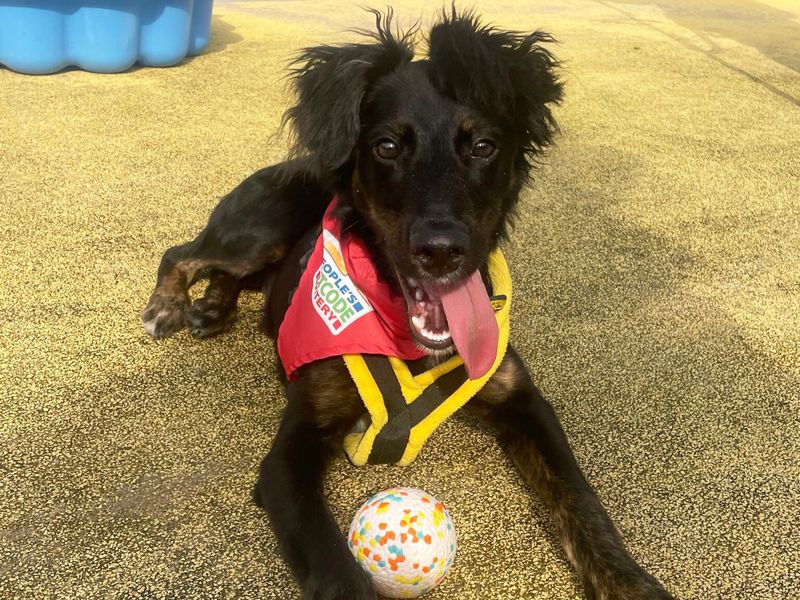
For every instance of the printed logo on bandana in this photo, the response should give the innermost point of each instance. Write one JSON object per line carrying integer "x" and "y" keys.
{"x": 335, "y": 297}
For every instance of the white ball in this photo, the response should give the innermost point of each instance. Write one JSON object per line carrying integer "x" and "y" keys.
{"x": 405, "y": 540}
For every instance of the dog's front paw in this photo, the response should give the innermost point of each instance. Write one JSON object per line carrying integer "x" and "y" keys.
{"x": 164, "y": 316}
{"x": 206, "y": 318}
{"x": 339, "y": 583}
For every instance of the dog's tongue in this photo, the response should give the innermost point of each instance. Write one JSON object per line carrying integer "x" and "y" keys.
{"x": 472, "y": 324}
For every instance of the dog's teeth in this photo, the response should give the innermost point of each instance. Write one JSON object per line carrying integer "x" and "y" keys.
{"x": 412, "y": 282}
{"x": 440, "y": 337}
{"x": 433, "y": 336}
{"x": 418, "y": 295}
{"x": 419, "y": 323}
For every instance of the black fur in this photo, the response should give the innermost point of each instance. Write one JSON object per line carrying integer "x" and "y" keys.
{"x": 330, "y": 82}
{"x": 427, "y": 158}
{"x": 509, "y": 75}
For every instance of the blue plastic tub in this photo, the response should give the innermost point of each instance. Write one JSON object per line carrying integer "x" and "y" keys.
{"x": 105, "y": 36}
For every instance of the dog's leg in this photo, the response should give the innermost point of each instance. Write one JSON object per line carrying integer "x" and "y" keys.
{"x": 322, "y": 404}
{"x": 165, "y": 312}
{"x": 251, "y": 228}
{"x": 533, "y": 436}
{"x": 181, "y": 266}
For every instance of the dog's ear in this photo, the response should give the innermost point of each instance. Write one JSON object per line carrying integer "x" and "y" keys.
{"x": 330, "y": 82}
{"x": 505, "y": 74}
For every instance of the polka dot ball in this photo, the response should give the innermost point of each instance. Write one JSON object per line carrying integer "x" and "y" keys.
{"x": 405, "y": 540}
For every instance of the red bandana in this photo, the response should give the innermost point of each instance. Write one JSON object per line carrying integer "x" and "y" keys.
{"x": 341, "y": 306}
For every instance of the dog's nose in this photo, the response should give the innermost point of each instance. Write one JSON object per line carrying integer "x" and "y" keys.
{"x": 438, "y": 248}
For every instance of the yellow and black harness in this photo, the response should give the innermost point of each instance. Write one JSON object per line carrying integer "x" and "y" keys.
{"x": 405, "y": 402}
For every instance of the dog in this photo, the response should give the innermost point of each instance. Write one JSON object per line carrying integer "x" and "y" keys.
{"x": 425, "y": 161}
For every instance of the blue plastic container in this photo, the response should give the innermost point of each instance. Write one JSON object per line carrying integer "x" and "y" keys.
{"x": 105, "y": 36}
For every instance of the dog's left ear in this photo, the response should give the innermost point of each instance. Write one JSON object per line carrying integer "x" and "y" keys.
{"x": 506, "y": 74}
{"x": 331, "y": 81}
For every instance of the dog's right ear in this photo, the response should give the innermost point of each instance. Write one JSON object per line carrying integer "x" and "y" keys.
{"x": 330, "y": 82}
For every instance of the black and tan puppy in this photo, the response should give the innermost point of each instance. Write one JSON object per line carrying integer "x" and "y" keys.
{"x": 427, "y": 159}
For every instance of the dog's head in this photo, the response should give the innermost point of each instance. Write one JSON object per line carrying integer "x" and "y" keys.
{"x": 434, "y": 152}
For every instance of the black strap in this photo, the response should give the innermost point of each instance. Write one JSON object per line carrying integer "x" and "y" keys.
{"x": 391, "y": 442}
{"x": 436, "y": 393}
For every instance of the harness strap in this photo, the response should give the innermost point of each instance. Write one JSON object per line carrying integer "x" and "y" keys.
{"x": 391, "y": 441}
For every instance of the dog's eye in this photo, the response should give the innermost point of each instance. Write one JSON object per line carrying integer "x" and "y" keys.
{"x": 483, "y": 149}
{"x": 387, "y": 149}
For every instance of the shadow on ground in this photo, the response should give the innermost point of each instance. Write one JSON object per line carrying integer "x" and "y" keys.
{"x": 774, "y": 32}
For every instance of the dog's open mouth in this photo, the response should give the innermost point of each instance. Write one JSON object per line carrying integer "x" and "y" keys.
{"x": 426, "y": 316}
{"x": 459, "y": 314}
